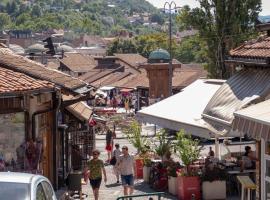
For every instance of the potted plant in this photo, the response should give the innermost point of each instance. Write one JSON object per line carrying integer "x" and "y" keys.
{"x": 146, "y": 169}
{"x": 214, "y": 182}
{"x": 188, "y": 180}
{"x": 163, "y": 147}
{"x": 172, "y": 168}
{"x": 133, "y": 133}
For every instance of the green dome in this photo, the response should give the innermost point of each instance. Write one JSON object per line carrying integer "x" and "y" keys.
{"x": 159, "y": 54}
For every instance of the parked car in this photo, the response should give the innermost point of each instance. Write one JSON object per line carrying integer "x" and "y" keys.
{"x": 23, "y": 186}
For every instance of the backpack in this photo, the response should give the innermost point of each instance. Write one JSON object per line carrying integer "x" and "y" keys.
{"x": 113, "y": 160}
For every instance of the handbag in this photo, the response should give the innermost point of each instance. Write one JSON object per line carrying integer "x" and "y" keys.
{"x": 113, "y": 160}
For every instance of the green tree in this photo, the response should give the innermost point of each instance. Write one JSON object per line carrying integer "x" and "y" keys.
{"x": 150, "y": 42}
{"x": 222, "y": 24}
{"x": 4, "y": 20}
{"x": 122, "y": 46}
{"x": 191, "y": 49}
{"x": 36, "y": 11}
{"x": 157, "y": 17}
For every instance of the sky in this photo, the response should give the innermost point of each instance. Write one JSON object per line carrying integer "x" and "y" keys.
{"x": 194, "y": 3}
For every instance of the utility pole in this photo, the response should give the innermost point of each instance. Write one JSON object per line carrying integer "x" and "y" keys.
{"x": 170, "y": 7}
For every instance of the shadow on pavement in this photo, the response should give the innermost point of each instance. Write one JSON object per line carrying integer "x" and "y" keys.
{"x": 112, "y": 185}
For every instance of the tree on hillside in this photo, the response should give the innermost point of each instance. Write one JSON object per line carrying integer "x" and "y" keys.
{"x": 143, "y": 44}
{"x": 222, "y": 24}
{"x": 122, "y": 46}
{"x": 150, "y": 42}
{"x": 4, "y": 20}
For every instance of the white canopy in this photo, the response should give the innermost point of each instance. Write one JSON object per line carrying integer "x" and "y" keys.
{"x": 106, "y": 88}
{"x": 183, "y": 110}
{"x": 254, "y": 120}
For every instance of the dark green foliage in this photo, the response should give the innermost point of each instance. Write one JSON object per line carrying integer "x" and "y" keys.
{"x": 93, "y": 17}
{"x": 223, "y": 25}
{"x": 191, "y": 49}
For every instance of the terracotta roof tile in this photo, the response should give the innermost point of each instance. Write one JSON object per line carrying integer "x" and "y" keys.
{"x": 182, "y": 77}
{"x": 21, "y": 64}
{"x": 78, "y": 62}
{"x": 11, "y": 81}
{"x": 110, "y": 79}
{"x": 259, "y": 48}
{"x": 134, "y": 60}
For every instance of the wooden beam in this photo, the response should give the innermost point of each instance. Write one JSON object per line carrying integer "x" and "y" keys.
{"x": 76, "y": 100}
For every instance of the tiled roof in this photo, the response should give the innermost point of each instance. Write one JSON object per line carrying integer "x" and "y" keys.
{"x": 80, "y": 110}
{"x": 78, "y": 62}
{"x": 11, "y": 81}
{"x": 110, "y": 79}
{"x": 182, "y": 77}
{"x": 95, "y": 75}
{"x": 37, "y": 70}
{"x": 253, "y": 49}
{"x": 134, "y": 60}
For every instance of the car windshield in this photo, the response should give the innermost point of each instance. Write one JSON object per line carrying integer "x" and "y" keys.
{"x": 14, "y": 191}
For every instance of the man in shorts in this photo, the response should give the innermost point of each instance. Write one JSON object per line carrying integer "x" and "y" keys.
{"x": 96, "y": 167}
{"x": 126, "y": 166}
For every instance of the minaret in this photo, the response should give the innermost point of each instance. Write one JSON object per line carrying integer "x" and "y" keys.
{"x": 157, "y": 69}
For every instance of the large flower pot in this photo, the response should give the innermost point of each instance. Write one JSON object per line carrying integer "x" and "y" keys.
{"x": 146, "y": 173}
{"x": 172, "y": 185}
{"x": 214, "y": 190}
{"x": 139, "y": 167}
{"x": 188, "y": 187}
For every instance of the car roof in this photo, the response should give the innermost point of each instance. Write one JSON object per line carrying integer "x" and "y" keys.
{"x": 17, "y": 177}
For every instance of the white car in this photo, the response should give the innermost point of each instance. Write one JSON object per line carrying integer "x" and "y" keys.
{"x": 23, "y": 186}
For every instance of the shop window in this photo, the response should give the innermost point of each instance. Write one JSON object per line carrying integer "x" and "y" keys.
{"x": 12, "y": 142}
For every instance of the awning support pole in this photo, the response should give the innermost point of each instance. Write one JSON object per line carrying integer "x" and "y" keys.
{"x": 217, "y": 148}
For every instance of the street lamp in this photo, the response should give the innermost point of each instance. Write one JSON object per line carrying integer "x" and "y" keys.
{"x": 170, "y": 7}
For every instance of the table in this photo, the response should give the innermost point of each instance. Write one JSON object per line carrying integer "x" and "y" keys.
{"x": 233, "y": 172}
{"x": 233, "y": 180}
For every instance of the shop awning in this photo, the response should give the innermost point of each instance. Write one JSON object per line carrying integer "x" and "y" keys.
{"x": 80, "y": 110}
{"x": 254, "y": 121}
{"x": 106, "y": 88}
{"x": 183, "y": 110}
{"x": 246, "y": 87}
{"x": 126, "y": 90}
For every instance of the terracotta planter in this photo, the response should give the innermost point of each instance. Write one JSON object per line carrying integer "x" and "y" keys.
{"x": 188, "y": 187}
{"x": 139, "y": 167}
{"x": 214, "y": 190}
{"x": 172, "y": 185}
{"x": 146, "y": 173}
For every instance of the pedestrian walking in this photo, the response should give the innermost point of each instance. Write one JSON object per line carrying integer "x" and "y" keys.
{"x": 95, "y": 168}
{"x": 126, "y": 166}
{"x": 109, "y": 143}
{"x": 116, "y": 155}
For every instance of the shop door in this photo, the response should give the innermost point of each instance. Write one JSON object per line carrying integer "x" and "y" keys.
{"x": 44, "y": 135}
{"x": 84, "y": 141}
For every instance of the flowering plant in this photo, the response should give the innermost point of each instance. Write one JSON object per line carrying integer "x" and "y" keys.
{"x": 172, "y": 168}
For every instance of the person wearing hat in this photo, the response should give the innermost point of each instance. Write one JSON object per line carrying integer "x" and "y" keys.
{"x": 95, "y": 170}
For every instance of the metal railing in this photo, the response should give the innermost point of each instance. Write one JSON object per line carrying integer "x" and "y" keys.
{"x": 158, "y": 194}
